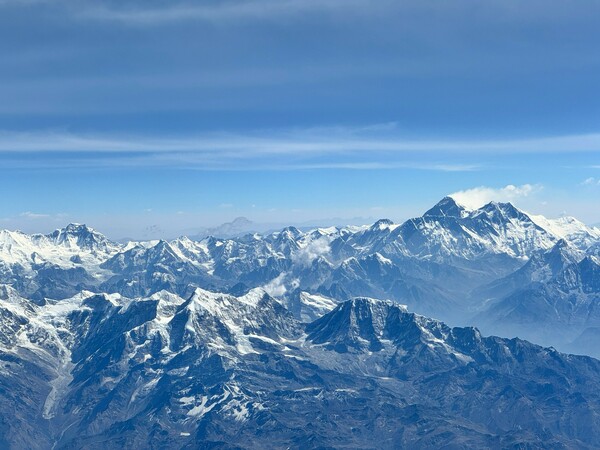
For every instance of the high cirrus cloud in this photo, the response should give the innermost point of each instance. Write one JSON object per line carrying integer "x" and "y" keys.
{"x": 476, "y": 197}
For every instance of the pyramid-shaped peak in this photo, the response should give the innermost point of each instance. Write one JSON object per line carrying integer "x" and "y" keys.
{"x": 560, "y": 246}
{"x": 560, "y": 255}
{"x": 77, "y": 230}
{"x": 359, "y": 323}
{"x": 507, "y": 209}
{"x": 589, "y": 262}
{"x": 74, "y": 228}
{"x": 290, "y": 232}
{"x": 241, "y": 221}
{"x": 80, "y": 235}
{"x": 446, "y": 207}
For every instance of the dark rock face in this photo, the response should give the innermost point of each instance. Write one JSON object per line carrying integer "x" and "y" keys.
{"x": 241, "y": 372}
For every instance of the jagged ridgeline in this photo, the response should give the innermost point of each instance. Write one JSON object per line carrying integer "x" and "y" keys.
{"x": 272, "y": 340}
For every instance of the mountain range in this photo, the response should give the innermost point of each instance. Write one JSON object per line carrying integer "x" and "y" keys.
{"x": 276, "y": 339}
{"x": 468, "y": 267}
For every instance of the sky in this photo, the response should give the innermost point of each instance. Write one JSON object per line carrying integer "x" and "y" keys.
{"x": 163, "y": 117}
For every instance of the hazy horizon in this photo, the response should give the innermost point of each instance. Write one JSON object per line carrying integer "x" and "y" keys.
{"x": 469, "y": 199}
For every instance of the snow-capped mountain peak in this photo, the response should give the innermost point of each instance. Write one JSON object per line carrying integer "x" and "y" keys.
{"x": 81, "y": 237}
{"x": 570, "y": 229}
{"x": 447, "y": 206}
{"x": 383, "y": 224}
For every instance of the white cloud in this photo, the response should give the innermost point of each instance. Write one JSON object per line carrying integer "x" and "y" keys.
{"x": 319, "y": 247}
{"x": 591, "y": 181}
{"x": 276, "y": 287}
{"x": 479, "y": 196}
{"x": 36, "y": 222}
{"x": 29, "y": 215}
{"x": 32, "y": 215}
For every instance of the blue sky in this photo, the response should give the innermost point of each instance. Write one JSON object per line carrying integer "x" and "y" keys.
{"x": 176, "y": 115}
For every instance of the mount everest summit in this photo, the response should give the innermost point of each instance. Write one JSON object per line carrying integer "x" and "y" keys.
{"x": 275, "y": 340}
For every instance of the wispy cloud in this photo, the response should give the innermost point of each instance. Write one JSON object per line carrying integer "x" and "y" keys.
{"x": 145, "y": 13}
{"x": 22, "y": 2}
{"x": 149, "y": 13}
{"x": 360, "y": 148}
{"x": 324, "y": 140}
{"x": 32, "y": 215}
{"x": 29, "y": 217}
{"x": 142, "y": 14}
{"x": 591, "y": 181}
{"x": 479, "y": 196}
